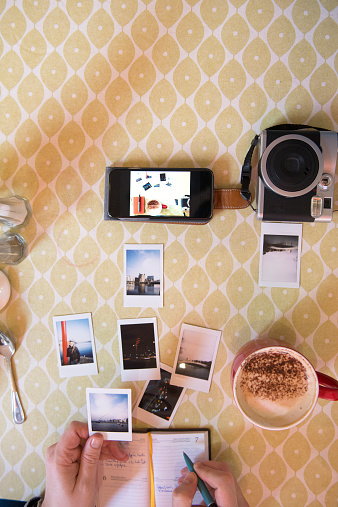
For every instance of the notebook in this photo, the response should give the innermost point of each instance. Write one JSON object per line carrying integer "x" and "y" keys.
{"x": 150, "y": 475}
{"x": 138, "y": 205}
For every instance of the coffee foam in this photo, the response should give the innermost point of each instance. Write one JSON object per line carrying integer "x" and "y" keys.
{"x": 276, "y": 388}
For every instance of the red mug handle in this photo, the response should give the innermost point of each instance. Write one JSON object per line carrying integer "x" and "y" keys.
{"x": 328, "y": 387}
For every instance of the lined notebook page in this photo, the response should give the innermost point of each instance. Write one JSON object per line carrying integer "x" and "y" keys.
{"x": 168, "y": 461}
{"x": 127, "y": 483}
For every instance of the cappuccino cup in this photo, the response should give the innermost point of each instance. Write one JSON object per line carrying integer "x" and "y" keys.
{"x": 275, "y": 387}
{"x": 154, "y": 207}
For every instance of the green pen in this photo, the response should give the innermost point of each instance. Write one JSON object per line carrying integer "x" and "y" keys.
{"x": 200, "y": 484}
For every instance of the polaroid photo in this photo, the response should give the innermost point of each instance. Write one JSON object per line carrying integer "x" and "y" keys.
{"x": 143, "y": 275}
{"x": 109, "y": 413}
{"x": 195, "y": 357}
{"x": 139, "y": 351}
{"x": 280, "y": 251}
{"x": 159, "y": 400}
{"x": 75, "y": 345}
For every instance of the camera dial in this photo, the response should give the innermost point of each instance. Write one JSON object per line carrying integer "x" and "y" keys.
{"x": 325, "y": 182}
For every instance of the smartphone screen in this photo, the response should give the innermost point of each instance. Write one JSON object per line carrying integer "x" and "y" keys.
{"x": 165, "y": 194}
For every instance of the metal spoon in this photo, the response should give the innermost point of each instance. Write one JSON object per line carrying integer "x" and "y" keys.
{"x": 7, "y": 349}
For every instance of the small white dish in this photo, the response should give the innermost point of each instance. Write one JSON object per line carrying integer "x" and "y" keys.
{"x": 5, "y": 290}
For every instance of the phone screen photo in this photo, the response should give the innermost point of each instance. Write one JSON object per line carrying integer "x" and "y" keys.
{"x": 161, "y": 194}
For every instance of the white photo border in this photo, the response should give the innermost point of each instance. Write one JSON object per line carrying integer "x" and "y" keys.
{"x": 153, "y": 419}
{"x": 110, "y": 435}
{"x": 141, "y": 373}
{"x": 75, "y": 370}
{"x": 192, "y": 382}
{"x": 280, "y": 229}
{"x": 133, "y": 301}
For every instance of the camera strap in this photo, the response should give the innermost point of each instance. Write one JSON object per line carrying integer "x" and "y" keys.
{"x": 246, "y": 167}
{"x": 229, "y": 198}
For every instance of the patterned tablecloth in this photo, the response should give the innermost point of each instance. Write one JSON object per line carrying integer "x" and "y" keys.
{"x": 170, "y": 83}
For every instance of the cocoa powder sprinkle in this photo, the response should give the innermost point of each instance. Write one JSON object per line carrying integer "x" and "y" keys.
{"x": 274, "y": 375}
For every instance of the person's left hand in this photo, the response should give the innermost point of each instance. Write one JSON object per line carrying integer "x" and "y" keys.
{"x": 72, "y": 467}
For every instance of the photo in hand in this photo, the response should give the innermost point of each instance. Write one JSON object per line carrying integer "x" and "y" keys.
{"x": 143, "y": 276}
{"x": 109, "y": 413}
{"x": 75, "y": 345}
{"x": 139, "y": 352}
{"x": 280, "y": 252}
{"x": 159, "y": 400}
{"x": 195, "y": 357}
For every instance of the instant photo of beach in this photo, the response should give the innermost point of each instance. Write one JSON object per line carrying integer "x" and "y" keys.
{"x": 280, "y": 255}
{"x": 281, "y": 251}
{"x": 79, "y": 341}
{"x": 75, "y": 345}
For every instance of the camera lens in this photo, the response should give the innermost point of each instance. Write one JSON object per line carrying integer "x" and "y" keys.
{"x": 292, "y": 165}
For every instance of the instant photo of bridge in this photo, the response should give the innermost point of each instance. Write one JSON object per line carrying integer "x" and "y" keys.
{"x": 109, "y": 413}
{"x": 195, "y": 357}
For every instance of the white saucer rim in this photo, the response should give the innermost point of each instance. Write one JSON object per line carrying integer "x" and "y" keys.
{"x": 4, "y": 281}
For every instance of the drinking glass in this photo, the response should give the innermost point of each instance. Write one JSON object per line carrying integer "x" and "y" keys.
{"x": 13, "y": 248}
{"x": 15, "y": 211}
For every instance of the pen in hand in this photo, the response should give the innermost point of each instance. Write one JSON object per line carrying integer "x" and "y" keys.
{"x": 200, "y": 484}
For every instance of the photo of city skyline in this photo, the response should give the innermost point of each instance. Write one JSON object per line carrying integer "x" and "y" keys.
{"x": 143, "y": 272}
{"x": 109, "y": 412}
{"x": 138, "y": 346}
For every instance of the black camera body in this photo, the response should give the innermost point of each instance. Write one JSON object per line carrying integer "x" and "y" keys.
{"x": 296, "y": 175}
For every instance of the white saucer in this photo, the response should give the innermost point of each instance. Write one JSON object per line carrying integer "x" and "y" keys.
{"x": 5, "y": 290}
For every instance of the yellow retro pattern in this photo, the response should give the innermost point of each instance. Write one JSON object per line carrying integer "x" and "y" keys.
{"x": 177, "y": 83}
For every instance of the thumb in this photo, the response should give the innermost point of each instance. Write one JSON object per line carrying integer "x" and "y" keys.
{"x": 183, "y": 495}
{"x": 89, "y": 462}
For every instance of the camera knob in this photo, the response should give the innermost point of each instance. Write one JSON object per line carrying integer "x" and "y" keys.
{"x": 325, "y": 181}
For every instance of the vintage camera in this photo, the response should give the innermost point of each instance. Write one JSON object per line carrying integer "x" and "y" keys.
{"x": 296, "y": 173}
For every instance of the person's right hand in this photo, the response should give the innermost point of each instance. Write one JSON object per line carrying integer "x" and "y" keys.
{"x": 222, "y": 485}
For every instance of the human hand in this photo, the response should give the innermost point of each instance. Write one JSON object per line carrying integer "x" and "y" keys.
{"x": 72, "y": 467}
{"x": 222, "y": 485}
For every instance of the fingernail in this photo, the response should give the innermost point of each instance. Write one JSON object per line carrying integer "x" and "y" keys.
{"x": 189, "y": 478}
{"x": 198, "y": 465}
{"x": 96, "y": 442}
